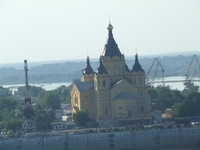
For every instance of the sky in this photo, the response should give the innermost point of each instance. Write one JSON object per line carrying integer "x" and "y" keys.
{"x": 43, "y": 30}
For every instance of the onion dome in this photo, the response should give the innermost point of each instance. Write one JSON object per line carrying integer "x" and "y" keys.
{"x": 101, "y": 69}
{"x": 111, "y": 48}
{"x": 88, "y": 69}
{"x": 137, "y": 67}
{"x": 110, "y": 27}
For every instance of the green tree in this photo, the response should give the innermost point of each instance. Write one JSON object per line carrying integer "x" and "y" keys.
{"x": 43, "y": 117}
{"x": 189, "y": 107}
{"x": 192, "y": 89}
{"x": 153, "y": 94}
{"x": 51, "y": 101}
{"x": 34, "y": 91}
{"x": 63, "y": 94}
{"x": 80, "y": 118}
{"x": 164, "y": 93}
{"x": 8, "y": 103}
{"x": 7, "y": 114}
{"x": 4, "y": 92}
{"x": 12, "y": 124}
{"x": 176, "y": 110}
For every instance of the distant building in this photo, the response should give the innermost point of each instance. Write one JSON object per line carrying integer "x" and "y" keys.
{"x": 114, "y": 93}
{"x": 66, "y": 109}
{"x": 67, "y": 112}
{"x": 62, "y": 125}
{"x": 64, "y": 114}
{"x": 58, "y": 115}
{"x": 168, "y": 113}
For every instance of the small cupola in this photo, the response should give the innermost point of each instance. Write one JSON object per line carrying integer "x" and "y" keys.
{"x": 137, "y": 67}
{"x": 88, "y": 69}
{"x": 101, "y": 69}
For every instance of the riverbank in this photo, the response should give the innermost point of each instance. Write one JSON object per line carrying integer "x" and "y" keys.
{"x": 170, "y": 139}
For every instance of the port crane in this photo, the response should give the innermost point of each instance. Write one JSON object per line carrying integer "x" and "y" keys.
{"x": 191, "y": 72}
{"x": 29, "y": 125}
{"x": 151, "y": 74}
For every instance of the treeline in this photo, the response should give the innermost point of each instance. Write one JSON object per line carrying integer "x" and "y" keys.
{"x": 67, "y": 71}
{"x": 184, "y": 103}
{"x": 47, "y": 102}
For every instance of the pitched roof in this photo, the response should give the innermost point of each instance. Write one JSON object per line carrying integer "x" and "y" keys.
{"x": 137, "y": 67}
{"x": 88, "y": 69}
{"x": 64, "y": 106}
{"x": 69, "y": 107}
{"x": 111, "y": 48}
{"x": 84, "y": 86}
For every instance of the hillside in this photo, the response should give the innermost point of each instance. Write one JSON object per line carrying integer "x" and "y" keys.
{"x": 66, "y": 71}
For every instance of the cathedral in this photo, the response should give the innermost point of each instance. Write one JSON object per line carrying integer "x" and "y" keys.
{"x": 113, "y": 94}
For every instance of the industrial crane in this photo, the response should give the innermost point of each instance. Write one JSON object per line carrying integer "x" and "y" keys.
{"x": 191, "y": 72}
{"x": 151, "y": 74}
{"x": 29, "y": 125}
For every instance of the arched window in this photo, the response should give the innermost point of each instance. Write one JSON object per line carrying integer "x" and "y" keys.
{"x": 116, "y": 72}
{"x": 76, "y": 100}
{"x": 106, "y": 111}
{"x": 142, "y": 108}
{"x": 104, "y": 83}
{"x": 140, "y": 80}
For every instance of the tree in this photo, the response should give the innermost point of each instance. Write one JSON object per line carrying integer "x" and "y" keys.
{"x": 4, "y": 92}
{"x": 164, "y": 93}
{"x": 43, "y": 117}
{"x": 176, "y": 110}
{"x": 192, "y": 89}
{"x": 51, "y": 101}
{"x": 189, "y": 107}
{"x": 153, "y": 94}
{"x": 8, "y": 103}
{"x": 7, "y": 108}
{"x": 11, "y": 125}
{"x": 63, "y": 93}
{"x": 34, "y": 91}
{"x": 80, "y": 118}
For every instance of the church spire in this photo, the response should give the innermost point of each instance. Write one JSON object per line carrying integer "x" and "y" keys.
{"x": 137, "y": 67}
{"x": 101, "y": 69}
{"x": 88, "y": 69}
{"x": 111, "y": 48}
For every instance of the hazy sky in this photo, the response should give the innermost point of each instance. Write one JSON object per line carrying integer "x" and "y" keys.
{"x": 40, "y": 30}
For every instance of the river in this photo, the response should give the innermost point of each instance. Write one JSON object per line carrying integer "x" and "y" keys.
{"x": 175, "y": 82}
{"x": 170, "y": 81}
{"x": 46, "y": 86}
